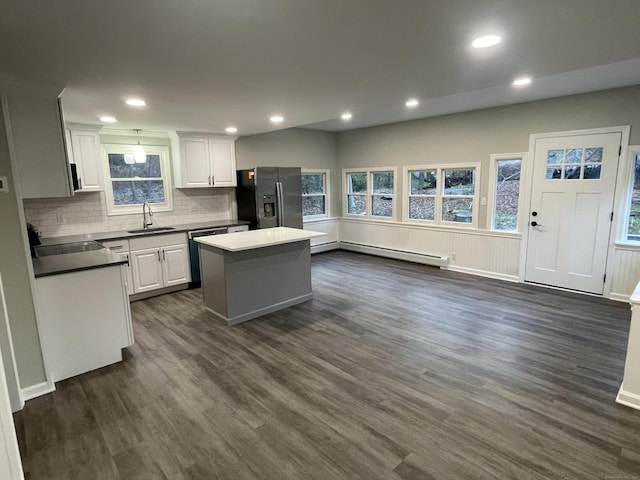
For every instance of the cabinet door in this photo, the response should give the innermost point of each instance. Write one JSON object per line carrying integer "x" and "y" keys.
{"x": 86, "y": 155}
{"x": 223, "y": 163}
{"x": 147, "y": 269}
{"x": 238, "y": 228}
{"x": 176, "y": 268}
{"x": 37, "y": 135}
{"x": 128, "y": 276}
{"x": 194, "y": 162}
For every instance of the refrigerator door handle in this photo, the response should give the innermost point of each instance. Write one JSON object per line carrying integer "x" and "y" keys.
{"x": 280, "y": 202}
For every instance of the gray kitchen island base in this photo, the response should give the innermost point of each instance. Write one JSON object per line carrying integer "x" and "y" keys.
{"x": 242, "y": 285}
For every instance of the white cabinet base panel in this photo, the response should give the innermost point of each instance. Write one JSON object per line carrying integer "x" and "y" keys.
{"x": 86, "y": 320}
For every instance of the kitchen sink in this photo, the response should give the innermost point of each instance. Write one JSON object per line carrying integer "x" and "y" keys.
{"x": 151, "y": 230}
{"x": 75, "y": 247}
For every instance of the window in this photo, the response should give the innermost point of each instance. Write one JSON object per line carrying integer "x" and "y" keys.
{"x": 504, "y": 191}
{"x": 442, "y": 193}
{"x": 315, "y": 202}
{"x": 370, "y": 193}
{"x": 130, "y": 184}
{"x": 633, "y": 219}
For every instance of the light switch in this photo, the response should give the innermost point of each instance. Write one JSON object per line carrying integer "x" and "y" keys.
{"x": 483, "y": 201}
{"x": 4, "y": 185}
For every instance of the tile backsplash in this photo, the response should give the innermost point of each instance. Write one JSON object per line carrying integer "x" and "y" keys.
{"x": 87, "y": 212}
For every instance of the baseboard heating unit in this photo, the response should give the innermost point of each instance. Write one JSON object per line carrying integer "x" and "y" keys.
{"x": 434, "y": 260}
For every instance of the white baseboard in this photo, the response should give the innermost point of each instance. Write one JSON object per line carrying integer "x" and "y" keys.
{"x": 484, "y": 273}
{"x": 36, "y": 390}
{"x": 396, "y": 254}
{"x": 324, "y": 247}
{"x": 619, "y": 297}
{"x": 628, "y": 399}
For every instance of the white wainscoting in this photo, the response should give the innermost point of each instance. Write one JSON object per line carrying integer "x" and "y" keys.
{"x": 477, "y": 252}
{"x": 625, "y": 271}
{"x": 330, "y": 226}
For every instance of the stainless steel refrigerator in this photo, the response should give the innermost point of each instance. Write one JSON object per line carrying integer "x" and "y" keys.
{"x": 270, "y": 197}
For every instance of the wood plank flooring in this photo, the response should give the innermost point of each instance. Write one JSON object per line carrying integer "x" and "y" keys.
{"x": 394, "y": 371}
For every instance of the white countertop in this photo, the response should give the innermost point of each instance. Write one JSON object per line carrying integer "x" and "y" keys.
{"x": 237, "y": 242}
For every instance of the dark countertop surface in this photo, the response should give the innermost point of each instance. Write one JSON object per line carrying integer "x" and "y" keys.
{"x": 74, "y": 262}
{"x": 123, "y": 234}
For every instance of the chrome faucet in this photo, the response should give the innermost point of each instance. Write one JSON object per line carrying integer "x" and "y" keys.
{"x": 146, "y": 217}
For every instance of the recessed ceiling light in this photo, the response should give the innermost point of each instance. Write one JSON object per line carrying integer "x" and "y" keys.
{"x": 276, "y": 119}
{"x": 136, "y": 102}
{"x": 231, "y": 129}
{"x": 522, "y": 81}
{"x": 108, "y": 119}
{"x": 412, "y": 103}
{"x": 346, "y": 116}
{"x": 486, "y": 41}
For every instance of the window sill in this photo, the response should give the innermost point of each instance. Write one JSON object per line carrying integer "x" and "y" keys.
{"x": 628, "y": 245}
{"x": 317, "y": 219}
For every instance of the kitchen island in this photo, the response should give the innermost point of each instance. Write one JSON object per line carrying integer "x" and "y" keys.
{"x": 250, "y": 274}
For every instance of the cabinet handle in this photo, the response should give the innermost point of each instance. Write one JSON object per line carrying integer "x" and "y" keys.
{"x": 127, "y": 257}
{"x": 80, "y": 183}
{"x": 213, "y": 180}
{"x": 159, "y": 256}
{"x": 164, "y": 256}
{"x": 209, "y": 179}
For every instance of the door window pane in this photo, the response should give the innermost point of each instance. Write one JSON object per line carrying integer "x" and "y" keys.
{"x": 592, "y": 172}
{"x": 554, "y": 173}
{"x": 593, "y": 155}
{"x": 572, "y": 172}
{"x": 507, "y": 195}
{"x": 573, "y": 155}
{"x": 554, "y": 157}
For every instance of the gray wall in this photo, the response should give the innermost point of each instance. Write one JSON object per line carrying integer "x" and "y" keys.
{"x": 473, "y": 136}
{"x": 15, "y": 274}
{"x": 294, "y": 147}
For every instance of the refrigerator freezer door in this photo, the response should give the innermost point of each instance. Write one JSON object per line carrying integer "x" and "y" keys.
{"x": 266, "y": 196}
{"x": 291, "y": 179}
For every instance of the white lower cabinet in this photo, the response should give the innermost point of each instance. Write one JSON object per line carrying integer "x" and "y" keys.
{"x": 121, "y": 248}
{"x": 238, "y": 228}
{"x": 85, "y": 320}
{"x": 159, "y": 261}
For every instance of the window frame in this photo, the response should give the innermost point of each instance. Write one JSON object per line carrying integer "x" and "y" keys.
{"x": 327, "y": 190}
{"x": 163, "y": 153}
{"x": 633, "y": 151}
{"x": 439, "y": 195}
{"x": 369, "y": 171}
{"x": 493, "y": 184}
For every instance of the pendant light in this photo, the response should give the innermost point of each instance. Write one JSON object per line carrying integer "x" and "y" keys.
{"x": 138, "y": 151}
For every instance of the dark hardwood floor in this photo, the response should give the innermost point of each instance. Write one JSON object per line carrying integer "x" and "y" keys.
{"x": 394, "y": 371}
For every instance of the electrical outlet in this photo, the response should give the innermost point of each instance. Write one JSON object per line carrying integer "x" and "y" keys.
{"x": 60, "y": 218}
{"x": 453, "y": 256}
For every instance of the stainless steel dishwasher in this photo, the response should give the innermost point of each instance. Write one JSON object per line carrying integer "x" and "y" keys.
{"x": 194, "y": 252}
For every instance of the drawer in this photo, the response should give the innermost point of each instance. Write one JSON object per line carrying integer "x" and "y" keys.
{"x": 160, "y": 240}
{"x": 121, "y": 245}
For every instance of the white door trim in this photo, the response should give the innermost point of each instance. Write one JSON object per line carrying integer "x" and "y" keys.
{"x": 619, "y": 195}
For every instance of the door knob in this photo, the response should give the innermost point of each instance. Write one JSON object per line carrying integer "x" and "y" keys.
{"x": 534, "y": 214}
{"x": 535, "y": 224}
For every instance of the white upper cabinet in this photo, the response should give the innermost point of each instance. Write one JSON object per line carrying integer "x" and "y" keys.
{"x": 203, "y": 160}
{"x": 85, "y": 153}
{"x": 33, "y": 120}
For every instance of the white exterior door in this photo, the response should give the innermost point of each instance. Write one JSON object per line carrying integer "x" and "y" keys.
{"x": 572, "y": 197}
{"x": 147, "y": 269}
{"x": 176, "y": 268}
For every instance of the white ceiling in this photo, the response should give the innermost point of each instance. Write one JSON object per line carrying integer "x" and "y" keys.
{"x": 203, "y": 65}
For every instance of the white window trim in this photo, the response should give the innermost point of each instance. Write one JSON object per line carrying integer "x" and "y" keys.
{"x": 438, "y": 221}
{"x": 491, "y": 197}
{"x": 632, "y": 151}
{"x": 163, "y": 153}
{"x": 369, "y": 193}
{"x": 327, "y": 193}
